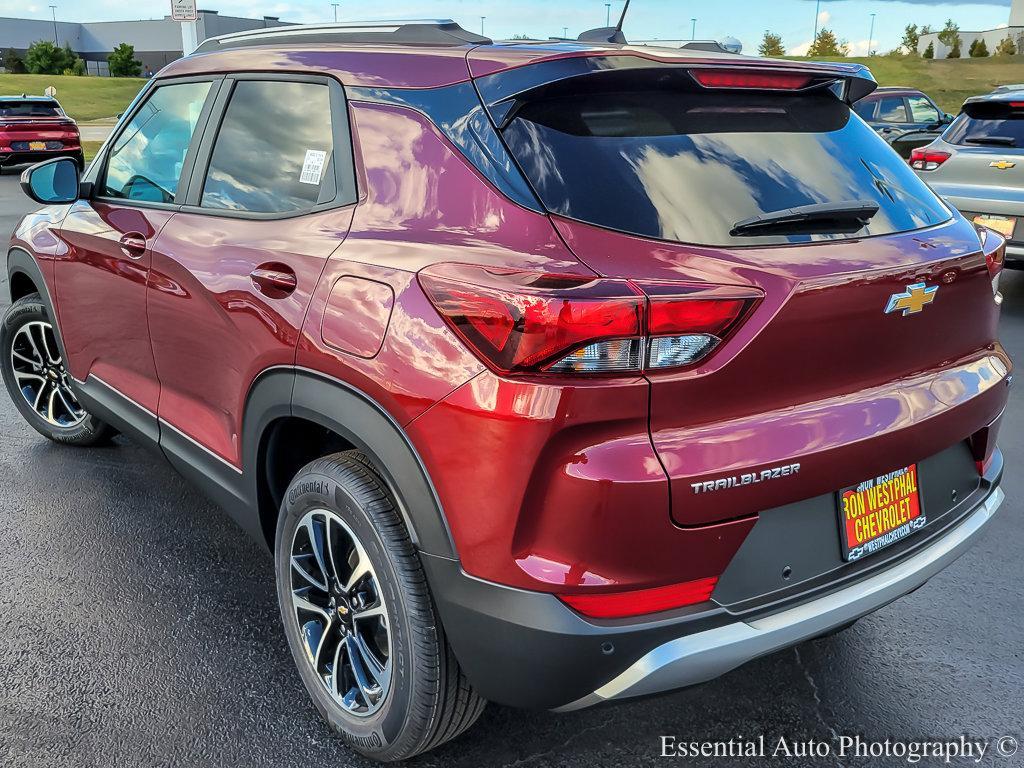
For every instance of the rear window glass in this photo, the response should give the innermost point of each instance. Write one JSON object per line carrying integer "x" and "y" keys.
{"x": 687, "y": 166}
{"x": 29, "y": 109}
{"x": 1003, "y": 131}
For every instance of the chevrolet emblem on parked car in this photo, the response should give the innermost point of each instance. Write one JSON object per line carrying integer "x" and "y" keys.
{"x": 912, "y": 300}
{"x": 1002, "y": 165}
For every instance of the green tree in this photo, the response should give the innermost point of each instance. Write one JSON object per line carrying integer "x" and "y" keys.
{"x": 45, "y": 58}
{"x": 771, "y": 45}
{"x": 979, "y": 49}
{"x": 911, "y": 37}
{"x": 949, "y": 35}
{"x": 826, "y": 44}
{"x": 1006, "y": 47}
{"x": 12, "y": 62}
{"x": 972, "y": 48}
{"x": 929, "y": 52}
{"x": 77, "y": 69}
{"x": 122, "y": 62}
{"x": 954, "y": 52}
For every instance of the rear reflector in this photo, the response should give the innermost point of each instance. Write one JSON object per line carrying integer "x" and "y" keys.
{"x": 617, "y": 605}
{"x": 924, "y": 159}
{"x": 732, "y": 78}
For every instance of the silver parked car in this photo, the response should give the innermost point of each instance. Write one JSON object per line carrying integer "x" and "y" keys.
{"x": 977, "y": 165}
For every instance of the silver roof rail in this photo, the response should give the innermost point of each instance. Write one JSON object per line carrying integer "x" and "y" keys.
{"x": 410, "y": 32}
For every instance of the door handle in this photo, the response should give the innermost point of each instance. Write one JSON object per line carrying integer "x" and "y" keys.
{"x": 133, "y": 245}
{"x": 275, "y": 281}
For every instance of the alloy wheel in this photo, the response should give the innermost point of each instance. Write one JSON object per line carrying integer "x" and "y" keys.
{"x": 42, "y": 377}
{"x": 340, "y": 612}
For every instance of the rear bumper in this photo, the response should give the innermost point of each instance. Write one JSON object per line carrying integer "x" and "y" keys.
{"x": 20, "y": 158}
{"x": 527, "y": 649}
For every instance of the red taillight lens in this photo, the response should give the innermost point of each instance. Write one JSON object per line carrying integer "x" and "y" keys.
{"x": 983, "y": 446}
{"x": 618, "y": 605}
{"x": 529, "y": 322}
{"x": 525, "y": 322}
{"x": 924, "y": 159}
{"x": 733, "y": 78}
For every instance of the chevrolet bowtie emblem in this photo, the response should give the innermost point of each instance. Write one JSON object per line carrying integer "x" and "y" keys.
{"x": 912, "y": 300}
{"x": 1002, "y": 165}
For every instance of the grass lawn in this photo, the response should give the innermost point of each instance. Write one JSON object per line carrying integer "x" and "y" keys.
{"x": 91, "y": 148}
{"x": 948, "y": 81}
{"x": 83, "y": 98}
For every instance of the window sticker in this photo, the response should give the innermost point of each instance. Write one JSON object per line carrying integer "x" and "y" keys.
{"x": 313, "y": 166}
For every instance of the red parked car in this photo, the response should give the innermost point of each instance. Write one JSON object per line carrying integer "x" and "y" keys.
{"x": 34, "y": 128}
{"x": 551, "y": 373}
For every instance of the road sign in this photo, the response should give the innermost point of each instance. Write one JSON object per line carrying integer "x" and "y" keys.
{"x": 50, "y": 91}
{"x": 183, "y": 10}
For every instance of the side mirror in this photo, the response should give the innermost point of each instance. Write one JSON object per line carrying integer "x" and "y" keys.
{"x": 948, "y": 118}
{"x": 52, "y": 181}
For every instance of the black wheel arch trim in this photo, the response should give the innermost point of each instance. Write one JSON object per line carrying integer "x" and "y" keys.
{"x": 361, "y": 421}
{"x": 21, "y": 262}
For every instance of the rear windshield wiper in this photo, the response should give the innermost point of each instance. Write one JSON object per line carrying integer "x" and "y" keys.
{"x": 999, "y": 141}
{"x": 844, "y": 217}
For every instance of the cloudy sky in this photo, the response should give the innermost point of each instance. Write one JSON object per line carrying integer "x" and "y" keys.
{"x": 745, "y": 19}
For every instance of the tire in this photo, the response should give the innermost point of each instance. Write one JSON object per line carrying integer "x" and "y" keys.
{"x": 419, "y": 697}
{"x": 22, "y": 343}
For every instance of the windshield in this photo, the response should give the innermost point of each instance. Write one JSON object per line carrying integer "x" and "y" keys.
{"x": 687, "y": 165}
{"x": 29, "y": 109}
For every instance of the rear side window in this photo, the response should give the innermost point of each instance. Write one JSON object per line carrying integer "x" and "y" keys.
{"x": 892, "y": 109}
{"x": 688, "y": 166}
{"x": 865, "y": 108}
{"x": 145, "y": 160}
{"x": 275, "y": 149}
{"x": 29, "y": 108}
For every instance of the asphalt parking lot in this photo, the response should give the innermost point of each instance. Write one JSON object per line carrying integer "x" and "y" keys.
{"x": 139, "y": 627}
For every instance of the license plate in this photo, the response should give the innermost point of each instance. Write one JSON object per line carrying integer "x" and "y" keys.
{"x": 880, "y": 512}
{"x": 1004, "y": 225}
{"x": 37, "y": 145}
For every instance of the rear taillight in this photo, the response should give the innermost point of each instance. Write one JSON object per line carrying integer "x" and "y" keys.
{"x": 527, "y": 322}
{"x": 924, "y": 159}
{"x": 618, "y": 605}
{"x": 983, "y": 442}
{"x": 993, "y": 245}
{"x": 736, "y": 78}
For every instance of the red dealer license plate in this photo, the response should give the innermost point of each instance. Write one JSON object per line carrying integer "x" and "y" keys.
{"x": 880, "y": 512}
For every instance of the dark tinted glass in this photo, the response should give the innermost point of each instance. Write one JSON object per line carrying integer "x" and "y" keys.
{"x": 688, "y": 166}
{"x": 969, "y": 130}
{"x": 29, "y": 109}
{"x": 892, "y": 109}
{"x": 275, "y": 150}
{"x": 145, "y": 160}
{"x": 866, "y": 109}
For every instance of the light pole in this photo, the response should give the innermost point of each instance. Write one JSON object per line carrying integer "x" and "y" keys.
{"x": 335, "y": 6}
{"x": 871, "y": 34}
{"x": 817, "y": 13}
{"x": 53, "y": 10}
{"x": 565, "y": 32}
{"x": 607, "y": 14}
{"x": 482, "y": 24}
{"x": 693, "y": 29}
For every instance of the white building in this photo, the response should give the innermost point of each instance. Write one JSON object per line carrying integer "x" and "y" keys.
{"x": 992, "y": 37}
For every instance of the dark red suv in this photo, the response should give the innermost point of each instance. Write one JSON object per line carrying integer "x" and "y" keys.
{"x": 551, "y": 373}
{"x": 34, "y": 128}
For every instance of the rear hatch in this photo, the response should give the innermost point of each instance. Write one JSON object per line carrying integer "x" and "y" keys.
{"x": 984, "y": 171}
{"x": 24, "y": 121}
{"x": 657, "y": 177}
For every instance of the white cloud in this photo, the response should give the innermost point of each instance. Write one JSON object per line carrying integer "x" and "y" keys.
{"x": 799, "y": 50}
{"x": 860, "y": 47}
{"x": 824, "y": 18}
